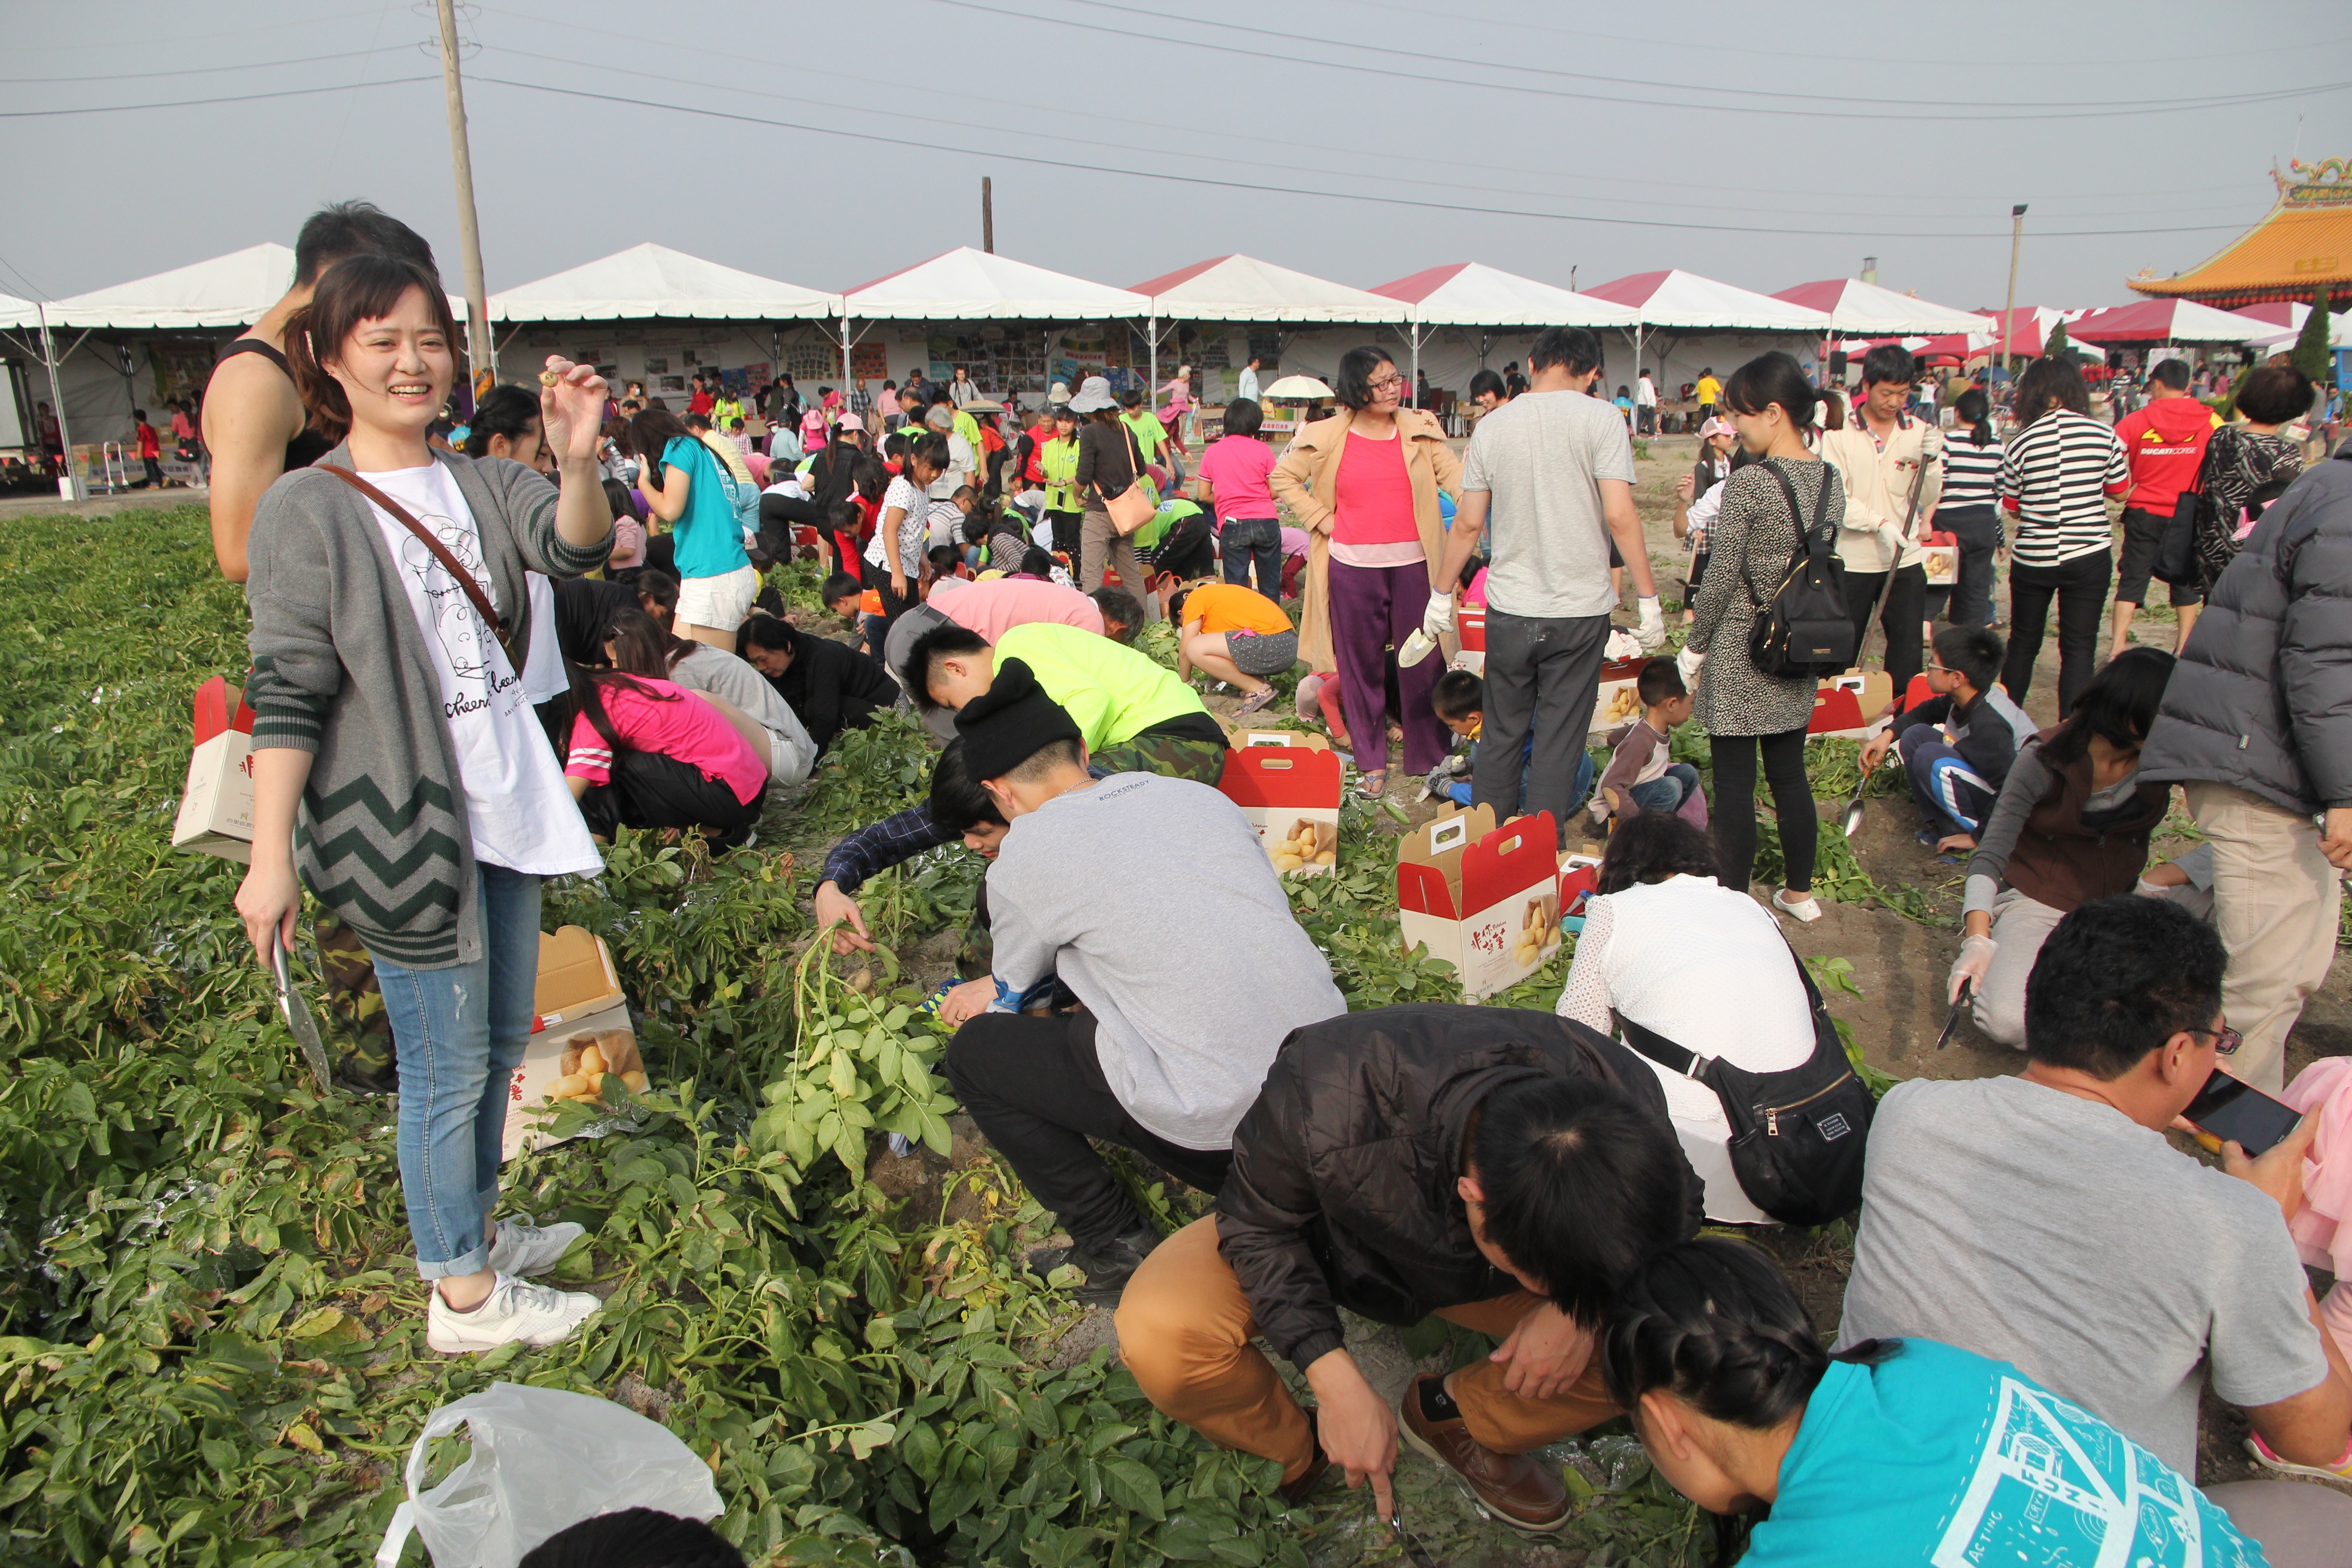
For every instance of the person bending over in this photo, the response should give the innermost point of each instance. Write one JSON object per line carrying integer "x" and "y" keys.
{"x": 1153, "y": 1061}
{"x": 1236, "y": 635}
{"x": 640, "y": 647}
{"x": 1957, "y": 747}
{"x": 1503, "y": 1169}
{"x": 1889, "y": 1451}
{"x": 990, "y": 609}
{"x": 2045, "y": 1220}
{"x": 824, "y": 683}
{"x": 1135, "y": 714}
{"x": 1122, "y": 612}
{"x": 645, "y": 754}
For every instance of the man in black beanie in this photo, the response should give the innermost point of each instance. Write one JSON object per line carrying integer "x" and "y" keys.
{"x": 1187, "y": 963}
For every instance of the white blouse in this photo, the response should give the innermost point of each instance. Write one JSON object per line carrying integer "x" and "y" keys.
{"x": 1709, "y": 969}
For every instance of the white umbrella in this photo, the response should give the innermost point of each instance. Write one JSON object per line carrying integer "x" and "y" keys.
{"x": 1297, "y": 389}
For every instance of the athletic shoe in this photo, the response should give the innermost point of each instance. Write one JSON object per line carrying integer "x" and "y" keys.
{"x": 2340, "y": 1472}
{"x": 516, "y": 1309}
{"x": 523, "y": 1249}
{"x": 1106, "y": 1270}
{"x": 1517, "y": 1489}
{"x": 1807, "y": 908}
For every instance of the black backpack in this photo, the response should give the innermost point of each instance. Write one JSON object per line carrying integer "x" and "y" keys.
{"x": 1797, "y": 1137}
{"x": 1803, "y": 629}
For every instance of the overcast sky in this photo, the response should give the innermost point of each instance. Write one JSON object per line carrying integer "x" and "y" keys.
{"x": 827, "y": 144}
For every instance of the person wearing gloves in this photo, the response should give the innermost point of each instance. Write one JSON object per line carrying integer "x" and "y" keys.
{"x": 1151, "y": 1061}
{"x": 2072, "y": 825}
{"x": 1365, "y": 483}
{"x": 1957, "y": 747}
{"x": 1549, "y": 475}
{"x": 1878, "y": 456}
{"x": 1748, "y": 714}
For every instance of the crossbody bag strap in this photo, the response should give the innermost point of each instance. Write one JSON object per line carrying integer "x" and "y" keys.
{"x": 449, "y": 563}
{"x": 1660, "y": 1049}
{"x": 1797, "y": 512}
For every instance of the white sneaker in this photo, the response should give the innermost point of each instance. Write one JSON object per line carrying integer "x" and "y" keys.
{"x": 1807, "y": 908}
{"x": 523, "y": 1249}
{"x": 515, "y": 1309}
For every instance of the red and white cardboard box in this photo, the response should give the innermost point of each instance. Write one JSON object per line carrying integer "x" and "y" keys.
{"x": 1846, "y": 706}
{"x": 1940, "y": 554}
{"x": 1619, "y": 698}
{"x": 1580, "y": 876}
{"x": 578, "y": 998}
{"x": 1470, "y": 627}
{"x": 216, "y": 809}
{"x": 1250, "y": 740}
{"x": 1291, "y": 795}
{"x": 1484, "y": 898}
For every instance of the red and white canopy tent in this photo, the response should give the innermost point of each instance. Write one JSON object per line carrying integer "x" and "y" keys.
{"x": 2278, "y": 324}
{"x": 1242, "y": 289}
{"x": 2170, "y": 321}
{"x": 1860, "y": 310}
{"x": 1472, "y": 294}
{"x": 1678, "y": 306}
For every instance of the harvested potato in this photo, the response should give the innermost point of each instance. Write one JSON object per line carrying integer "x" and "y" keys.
{"x": 635, "y": 1081}
{"x": 595, "y": 1081}
{"x": 565, "y": 1088}
{"x": 1286, "y": 861}
{"x": 1325, "y": 858}
{"x": 570, "y": 1063}
{"x": 592, "y": 1061}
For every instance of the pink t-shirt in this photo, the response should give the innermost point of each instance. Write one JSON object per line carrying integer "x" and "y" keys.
{"x": 1372, "y": 521}
{"x": 688, "y": 729}
{"x": 1236, "y": 468}
{"x": 996, "y": 606}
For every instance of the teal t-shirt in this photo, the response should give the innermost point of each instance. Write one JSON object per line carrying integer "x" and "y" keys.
{"x": 710, "y": 540}
{"x": 1937, "y": 1456}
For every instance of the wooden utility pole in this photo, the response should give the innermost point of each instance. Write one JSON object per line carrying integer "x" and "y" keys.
{"x": 2008, "y": 311}
{"x": 480, "y": 352}
{"x": 987, "y": 215}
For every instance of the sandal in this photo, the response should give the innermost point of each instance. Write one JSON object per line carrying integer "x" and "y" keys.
{"x": 1373, "y": 784}
{"x": 1255, "y": 701}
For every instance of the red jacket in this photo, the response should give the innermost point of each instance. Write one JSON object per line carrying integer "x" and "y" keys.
{"x": 2164, "y": 444}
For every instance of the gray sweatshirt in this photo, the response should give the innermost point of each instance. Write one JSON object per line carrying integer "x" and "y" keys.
{"x": 791, "y": 753}
{"x": 1152, "y": 900}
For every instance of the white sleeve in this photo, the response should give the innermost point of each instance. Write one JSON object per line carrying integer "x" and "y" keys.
{"x": 1585, "y": 999}
{"x": 1701, "y": 513}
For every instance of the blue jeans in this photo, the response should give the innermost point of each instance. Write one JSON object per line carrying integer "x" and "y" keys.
{"x": 1951, "y": 796}
{"x": 1459, "y": 791}
{"x": 1246, "y": 539}
{"x": 1669, "y": 790}
{"x": 459, "y": 1033}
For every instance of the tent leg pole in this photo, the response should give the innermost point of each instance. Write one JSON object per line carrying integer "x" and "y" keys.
{"x": 845, "y": 355}
{"x": 1412, "y": 388}
{"x": 1151, "y": 331}
{"x": 57, "y": 397}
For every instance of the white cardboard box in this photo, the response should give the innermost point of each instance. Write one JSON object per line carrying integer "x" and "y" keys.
{"x": 1471, "y": 891}
{"x": 216, "y": 808}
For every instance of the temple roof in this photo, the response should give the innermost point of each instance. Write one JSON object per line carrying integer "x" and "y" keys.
{"x": 2305, "y": 242}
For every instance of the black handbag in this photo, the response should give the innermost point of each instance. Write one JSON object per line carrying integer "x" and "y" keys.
{"x": 1803, "y": 630}
{"x": 1798, "y": 1136}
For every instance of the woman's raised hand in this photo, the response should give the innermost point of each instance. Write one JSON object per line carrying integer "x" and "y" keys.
{"x": 571, "y": 409}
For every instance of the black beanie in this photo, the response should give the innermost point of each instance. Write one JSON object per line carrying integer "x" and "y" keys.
{"x": 1011, "y": 722}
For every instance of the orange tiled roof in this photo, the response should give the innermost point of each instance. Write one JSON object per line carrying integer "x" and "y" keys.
{"x": 2304, "y": 242}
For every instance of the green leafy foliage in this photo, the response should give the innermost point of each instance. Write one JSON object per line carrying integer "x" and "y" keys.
{"x": 2311, "y": 354}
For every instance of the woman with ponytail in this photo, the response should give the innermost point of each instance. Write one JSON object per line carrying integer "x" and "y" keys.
{"x": 1890, "y": 1451}
{"x": 1965, "y": 510}
{"x": 646, "y": 755}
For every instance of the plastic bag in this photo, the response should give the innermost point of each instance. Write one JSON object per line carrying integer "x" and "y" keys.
{"x": 543, "y": 1460}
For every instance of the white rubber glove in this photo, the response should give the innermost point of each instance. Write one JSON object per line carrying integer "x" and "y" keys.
{"x": 1439, "y": 617}
{"x": 1688, "y": 661}
{"x": 1975, "y": 959}
{"x": 1651, "y": 631}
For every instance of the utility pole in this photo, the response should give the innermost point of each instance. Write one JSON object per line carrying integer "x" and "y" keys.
{"x": 480, "y": 352}
{"x": 987, "y": 215}
{"x": 2008, "y": 311}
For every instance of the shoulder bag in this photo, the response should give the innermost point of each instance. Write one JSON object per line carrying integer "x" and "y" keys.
{"x": 449, "y": 563}
{"x": 1803, "y": 629}
{"x": 1797, "y": 1137}
{"x": 1132, "y": 507}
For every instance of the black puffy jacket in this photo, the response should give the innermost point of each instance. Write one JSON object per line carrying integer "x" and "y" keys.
{"x": 1342, "y": 1190}
{"x": 2262, "y": 697}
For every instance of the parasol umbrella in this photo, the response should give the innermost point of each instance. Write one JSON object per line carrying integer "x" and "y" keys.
{"x": 1297, "y": 389}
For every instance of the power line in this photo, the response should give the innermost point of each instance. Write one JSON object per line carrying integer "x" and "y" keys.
{"x": 201, "y": 102}
{"x": 204, "y": 37}
{"x": 1593, "y": 95}
{"x": 195, "y": 70}
{"x": 1336, "y": 196}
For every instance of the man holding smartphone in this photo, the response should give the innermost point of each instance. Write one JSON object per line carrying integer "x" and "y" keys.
{"x": 2045, "y": 1220}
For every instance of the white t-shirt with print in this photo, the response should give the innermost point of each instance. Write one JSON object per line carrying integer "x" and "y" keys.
{"x": 520, "y": 811}
{"x": 916, "y": 508}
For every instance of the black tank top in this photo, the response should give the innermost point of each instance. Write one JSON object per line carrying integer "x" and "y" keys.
{"x": 309, "y": 446}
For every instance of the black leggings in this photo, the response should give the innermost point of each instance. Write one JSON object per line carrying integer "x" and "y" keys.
{"x": 780, "y": 514}
{"x": 649, "y": 789}
{"x": 1735, "y": 806}
{"x": 2080, "y": 586}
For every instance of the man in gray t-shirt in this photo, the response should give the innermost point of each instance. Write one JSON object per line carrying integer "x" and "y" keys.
{"x": 1551, "y": 475}
{"x": 2045, "y": 1220}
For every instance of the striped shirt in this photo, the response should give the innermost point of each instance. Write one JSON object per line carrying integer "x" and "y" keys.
{"x": 2055, "y": 476}
{"x": 1970, "y": 472}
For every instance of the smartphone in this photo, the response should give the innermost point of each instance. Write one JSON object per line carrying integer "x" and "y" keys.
{"x": 2234, "y": 1111}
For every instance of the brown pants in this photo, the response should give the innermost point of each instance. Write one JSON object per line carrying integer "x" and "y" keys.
{"x": 2275, "y": 900}
{"x": 1184, "y": 1331}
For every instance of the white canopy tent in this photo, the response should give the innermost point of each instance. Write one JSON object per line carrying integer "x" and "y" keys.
{"x": 1680, "y": 306}
{"x": 1242, "y": 289}
{"x": 1860, "y": 310}
{"x": 968, "y": 285}
{"x": 653, "y": 281}
{"x": 1467, "y": 294}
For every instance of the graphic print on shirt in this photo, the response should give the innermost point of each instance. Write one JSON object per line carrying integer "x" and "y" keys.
{"x": 465, "y": 642}
{"x": 2056, "y": 1485}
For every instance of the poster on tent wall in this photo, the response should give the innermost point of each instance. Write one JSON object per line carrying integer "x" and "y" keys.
{"x": 817, "y": 361}
{"x": 869, "y": 361}
{"x": 180, "y": 368}
{"x": 1072, "y": 366}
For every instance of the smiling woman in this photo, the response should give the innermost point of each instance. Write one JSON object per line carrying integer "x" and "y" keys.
{"x": 389, "y": 559}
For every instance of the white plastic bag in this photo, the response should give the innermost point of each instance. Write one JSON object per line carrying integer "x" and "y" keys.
{"x": 543, "y": 1460}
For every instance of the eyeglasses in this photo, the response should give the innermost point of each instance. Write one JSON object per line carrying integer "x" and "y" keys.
{"x": 2225, "y": 1041}
{"x": 1385, "y": 383}
{"x": 1935, "y": 668}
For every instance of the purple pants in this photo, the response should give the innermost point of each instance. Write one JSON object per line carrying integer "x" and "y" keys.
{"x": 1372, "y": 608}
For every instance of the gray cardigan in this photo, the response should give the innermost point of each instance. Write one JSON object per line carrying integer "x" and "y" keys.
{"x": 340, "y": 670}
{"x": 2262, "y": 697}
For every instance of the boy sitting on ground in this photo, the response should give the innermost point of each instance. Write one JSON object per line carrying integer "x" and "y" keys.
{"x": 1642, "y": 774}
{"x": 1460, "y": 699}
{"x": 2045, "y": 1220}
{"x": 1501, "y": 1168}
{"x": 1235, "y": 633}
{"x": 1957, "y": 746}
{"x": 841, "y": 592}
{"x": 1082, "y": 890}
{"x": 1134, "y": 713}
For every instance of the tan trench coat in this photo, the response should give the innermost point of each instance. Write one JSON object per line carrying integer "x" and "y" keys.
{"x": 1308, "y": 477}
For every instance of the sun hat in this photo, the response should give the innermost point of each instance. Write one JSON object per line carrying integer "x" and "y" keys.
{"x": 1716, "y": 425}
{"x": 1094, "y": 396}
{"x": 1061, "y": 392}
{"x": 850, "y": 422}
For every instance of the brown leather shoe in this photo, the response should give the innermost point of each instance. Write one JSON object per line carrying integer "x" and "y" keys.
{"x": 1318, "y": 1468}
{"x": 1517, "y": 1489}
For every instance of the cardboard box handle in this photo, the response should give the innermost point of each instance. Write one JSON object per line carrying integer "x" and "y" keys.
{"x": 1274, "y": 764}
{"x": 1508, "y": 845}
{"x": 1446, "y": 835}
{"x": 1279, "y": 741}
